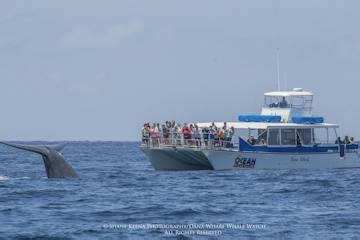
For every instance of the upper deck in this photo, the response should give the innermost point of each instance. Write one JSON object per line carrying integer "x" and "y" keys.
{"x": 288, "y": 104}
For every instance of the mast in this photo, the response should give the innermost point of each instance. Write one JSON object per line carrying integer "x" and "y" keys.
{"x": 278, "y": 69}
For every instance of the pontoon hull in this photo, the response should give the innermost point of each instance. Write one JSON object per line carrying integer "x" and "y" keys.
{"x": 177, "y": 159}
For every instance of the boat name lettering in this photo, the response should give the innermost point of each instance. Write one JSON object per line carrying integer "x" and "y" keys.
{"x": 244, "y": 162}
{"x": 299, "y": 159}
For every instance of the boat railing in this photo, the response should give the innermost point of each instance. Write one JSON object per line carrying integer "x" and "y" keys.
{"x": 180, "y": 140}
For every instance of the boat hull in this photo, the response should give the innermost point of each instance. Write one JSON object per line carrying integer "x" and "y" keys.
{"x": 177, "y": 159}
{"x": 222, "y": 160}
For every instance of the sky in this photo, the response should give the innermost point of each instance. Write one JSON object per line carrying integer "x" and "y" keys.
{"x": 97, "y": 70}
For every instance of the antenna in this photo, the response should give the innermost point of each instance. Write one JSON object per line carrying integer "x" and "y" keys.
{"x": 278, "y": 69}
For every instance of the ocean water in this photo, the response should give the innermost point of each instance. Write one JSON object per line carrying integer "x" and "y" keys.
{"x": 120, "y": 196}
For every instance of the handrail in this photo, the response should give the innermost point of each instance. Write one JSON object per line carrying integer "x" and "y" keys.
{"x": 178, "y": 139}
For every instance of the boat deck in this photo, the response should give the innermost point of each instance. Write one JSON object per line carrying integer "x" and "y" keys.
{"x": 179, "y": 142}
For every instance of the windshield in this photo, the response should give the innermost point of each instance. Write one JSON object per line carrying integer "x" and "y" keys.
{"x": 300, "y": 102}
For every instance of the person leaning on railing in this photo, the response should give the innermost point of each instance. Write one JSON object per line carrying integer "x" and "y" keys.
{"x": 192, "y": 135}
{"x": 186, "y": 131}
{"x": 173, "y": 135}
{"x": 155, "y": 134}
{"x": 165, "y": 134}
{"x": 145, "y": 131}
{"x": 178, "y": 134}
{"x": 220, "y": 137}
{"x": 197, "y": 136}
{"x": 228, "y": 134}
{"x": 212, "y": 132}
{"x": 205, "y": 132}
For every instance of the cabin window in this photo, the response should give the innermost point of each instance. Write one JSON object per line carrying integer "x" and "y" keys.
{"x": 304, "y": 135}
{"x": 277, "y": 102}
{"x": 298, "y": 102}
{"x": 274, "y": 137}
{"x": 288, "y": 136}
{"x": 324, "y": 135}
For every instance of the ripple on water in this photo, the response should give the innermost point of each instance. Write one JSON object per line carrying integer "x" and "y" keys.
{"x": 118, "y": 185}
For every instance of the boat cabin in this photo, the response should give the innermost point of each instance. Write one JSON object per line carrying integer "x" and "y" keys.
{"x": 295, "y": 138}
{"x": 292, "y": 134}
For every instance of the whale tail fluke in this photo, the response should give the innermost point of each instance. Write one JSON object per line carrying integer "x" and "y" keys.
{"x": 55, "y": 164}
{"x": 39, "y": 150}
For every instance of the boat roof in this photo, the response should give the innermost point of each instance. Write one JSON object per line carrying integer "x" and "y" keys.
{"x": 296, "y": 93}
{"x": 265, "y": 125}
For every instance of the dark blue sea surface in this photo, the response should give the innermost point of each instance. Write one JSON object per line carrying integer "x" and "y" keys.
{"x": 119, "y": 196}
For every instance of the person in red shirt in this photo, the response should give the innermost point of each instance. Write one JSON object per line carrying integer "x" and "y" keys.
{"x": 186, "y": 131}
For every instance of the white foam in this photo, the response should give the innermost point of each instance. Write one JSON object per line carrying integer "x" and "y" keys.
{"x": 4, "y": 178}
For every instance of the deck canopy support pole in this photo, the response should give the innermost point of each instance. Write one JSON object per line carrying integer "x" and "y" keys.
{"x": 327, "y": 135}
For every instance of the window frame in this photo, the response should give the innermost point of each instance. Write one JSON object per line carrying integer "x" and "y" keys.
{"x": 281, "y": 137}
{"x": 268, "y": 137}
{"x": 311, "y": 136}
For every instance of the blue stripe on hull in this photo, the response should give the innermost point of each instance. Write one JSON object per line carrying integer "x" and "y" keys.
{"x": 246, "y": 147}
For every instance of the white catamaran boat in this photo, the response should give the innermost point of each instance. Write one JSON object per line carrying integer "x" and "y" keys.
{"x": 284, "y": 136}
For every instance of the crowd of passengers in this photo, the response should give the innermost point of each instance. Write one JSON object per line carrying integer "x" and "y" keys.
{"x": 172, "y": 133}
{"x": 346, "y": 140}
